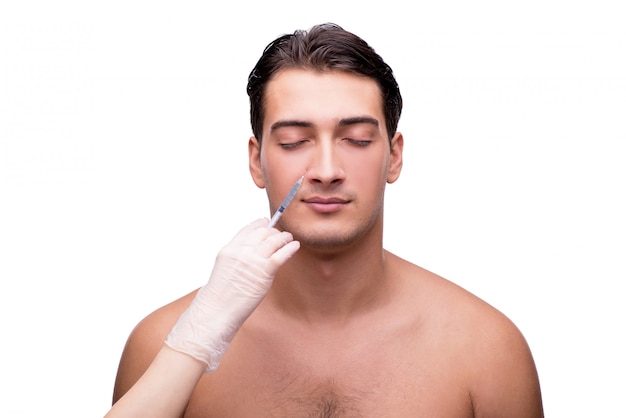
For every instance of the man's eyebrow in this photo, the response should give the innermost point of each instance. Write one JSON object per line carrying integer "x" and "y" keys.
{"x": 343, "y": 122}
{"x": 357, "y": 120}
{"x": 290, "y": 123}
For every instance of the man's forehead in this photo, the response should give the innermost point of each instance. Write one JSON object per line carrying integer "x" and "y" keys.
{"x": 305, "y": 95}
{"x": 318, "y": 77}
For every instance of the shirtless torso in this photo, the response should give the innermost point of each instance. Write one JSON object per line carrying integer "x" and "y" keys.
{"x": 427, "y": 349}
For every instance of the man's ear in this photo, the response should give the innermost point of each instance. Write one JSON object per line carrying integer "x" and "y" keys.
{"x": 395, "y": 161}
{"x": 254, "y": 161}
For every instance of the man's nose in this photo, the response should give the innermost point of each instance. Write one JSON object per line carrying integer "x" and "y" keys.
{"x": 326, "y": 166}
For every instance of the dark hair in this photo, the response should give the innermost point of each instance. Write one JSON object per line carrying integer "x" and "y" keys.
{"x": 324, "y": 47}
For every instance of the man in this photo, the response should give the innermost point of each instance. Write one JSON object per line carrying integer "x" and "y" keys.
{"x": 314, "y": 318}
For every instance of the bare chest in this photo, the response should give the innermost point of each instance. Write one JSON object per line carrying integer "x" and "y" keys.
{"x": 330, "y": 376}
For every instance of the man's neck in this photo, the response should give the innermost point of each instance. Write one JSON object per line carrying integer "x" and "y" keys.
{"x": 335, "y": 286}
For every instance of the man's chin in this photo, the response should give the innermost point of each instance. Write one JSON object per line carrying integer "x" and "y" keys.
{"x": 328, "y": 241}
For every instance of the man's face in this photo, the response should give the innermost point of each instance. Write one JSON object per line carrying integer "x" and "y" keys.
{"x": 330, "y": 128}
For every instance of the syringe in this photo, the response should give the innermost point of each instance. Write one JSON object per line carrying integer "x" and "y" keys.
{"x": 283, "y": 206}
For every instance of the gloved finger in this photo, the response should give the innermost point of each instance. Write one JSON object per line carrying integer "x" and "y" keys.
{"x": 284, "y": 253}
{"x": 252, "y": 233}
{"x": 275, "y": 241}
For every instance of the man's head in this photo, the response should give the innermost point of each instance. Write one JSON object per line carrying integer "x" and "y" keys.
{"x": 325, "y": 105}
{"x": 323, "y": 48}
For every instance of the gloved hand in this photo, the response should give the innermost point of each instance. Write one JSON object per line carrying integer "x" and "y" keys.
{"x": 242, "y": 275}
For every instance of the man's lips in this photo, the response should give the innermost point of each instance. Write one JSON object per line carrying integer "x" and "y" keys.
{"x": 325, "y": 204}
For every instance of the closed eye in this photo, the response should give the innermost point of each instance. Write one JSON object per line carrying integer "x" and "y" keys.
{"x": 359, "y": 142}
{"x": 291, "y": 145}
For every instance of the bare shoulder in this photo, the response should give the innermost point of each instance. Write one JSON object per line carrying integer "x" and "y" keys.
{"x": 443, "y": 299}
{"x": 145, "y": 341}
{"x": 489, "y": 352}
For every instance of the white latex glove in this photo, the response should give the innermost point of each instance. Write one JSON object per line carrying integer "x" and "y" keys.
{"x": 242, "y": 275}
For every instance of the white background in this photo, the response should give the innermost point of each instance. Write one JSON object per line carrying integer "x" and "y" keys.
{"x": 123, "y": 170}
